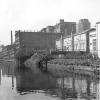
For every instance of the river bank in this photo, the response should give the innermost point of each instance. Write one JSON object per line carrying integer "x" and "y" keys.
{"x": 62, "y": 70}
{"x": 62, "y": 66}
{"x": 80, "y": 63}
{"x": 90, "y": 67}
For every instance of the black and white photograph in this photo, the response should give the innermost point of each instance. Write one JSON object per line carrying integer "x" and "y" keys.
{"x": 49, "y": 50}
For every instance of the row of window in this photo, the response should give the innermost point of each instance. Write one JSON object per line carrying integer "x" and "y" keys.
{"x": 94, "y": 44}
{"x": 80, "y": 46}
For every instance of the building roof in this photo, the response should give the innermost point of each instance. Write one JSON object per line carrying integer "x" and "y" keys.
{"x": 86, "y": 31}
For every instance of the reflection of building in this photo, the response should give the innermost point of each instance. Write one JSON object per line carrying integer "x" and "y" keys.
{"x": 0, "y": 75}
{"x": 35, "y": 40}
{"x": 66, "y": 88}
{"x": 98, "y": 91}
{"x": 8, "y": 69}
{"x": 71, "y": 87}
{"x": 28, "y": 80}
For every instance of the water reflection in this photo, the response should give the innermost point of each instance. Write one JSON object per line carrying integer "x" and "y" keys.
{"x": 23, "y": 81}
{"x": 74, "y": 87}
{"x": 27, "y": 80}
{"x": 0, "y": 76}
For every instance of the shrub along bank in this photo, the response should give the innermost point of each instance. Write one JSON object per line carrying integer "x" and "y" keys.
{"x": 74, "y": 61}
{"x": 77, "y": 58}
{"x": 81, "y": 63}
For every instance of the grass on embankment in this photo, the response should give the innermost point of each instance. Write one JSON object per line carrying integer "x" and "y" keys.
{"x": 80, "y": 63}
{"x": 77, "y": 58}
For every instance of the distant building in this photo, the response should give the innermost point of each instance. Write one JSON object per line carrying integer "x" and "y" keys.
{"x": 65, "y": 27}
{"x": 83, "y": 25}
{"x": 50, "y": 29}
{"x": 7, "y": 52}
{"x": 1, "y": 47}
{"x": 43, "y": 30}
{"x": 87, "y": 40}
{"x": 35, "y": 40}
{"x": 76, "y": 42}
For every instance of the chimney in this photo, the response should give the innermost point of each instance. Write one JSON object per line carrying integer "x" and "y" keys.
{"x": 11, "y": 38}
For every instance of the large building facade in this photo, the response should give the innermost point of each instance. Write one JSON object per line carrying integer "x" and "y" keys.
{"x": 75, "y": 42}
{"x": 65, "y": 27}
{"x": 94, "y": 40}
{"x": 88, "y": 41}
{"x": 83, "y": 25}
{"x": 35, "y": 40}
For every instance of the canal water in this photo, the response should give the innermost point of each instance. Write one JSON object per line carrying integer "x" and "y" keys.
{"x": 26, "y": 84}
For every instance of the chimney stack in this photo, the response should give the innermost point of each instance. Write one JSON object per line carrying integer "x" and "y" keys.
{"x": 11, "y": 38}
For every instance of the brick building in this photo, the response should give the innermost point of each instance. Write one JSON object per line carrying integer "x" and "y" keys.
{"x": 83, "y": 25}
{"x": 62, "y": 27}
{"x": 65, "y": 27}
{"x": 35, "y": 40}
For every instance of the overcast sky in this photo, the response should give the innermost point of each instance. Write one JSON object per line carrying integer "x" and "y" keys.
{"x": 36, "y": 14}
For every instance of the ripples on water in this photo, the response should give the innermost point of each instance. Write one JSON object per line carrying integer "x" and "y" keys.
{"x": 28, "y": 84}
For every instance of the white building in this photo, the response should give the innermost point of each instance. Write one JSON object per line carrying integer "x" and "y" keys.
{"x": 58, "y": 44}
{"x": 94, "y": 39}
{"x": 88, "y": 41}
{"x": 93, "y": 42}
{"x": 98, "y": 38}
{"x": 67, "y": 45}
{"x": 80, "y": 42}
{"x": 76, "y": 42}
